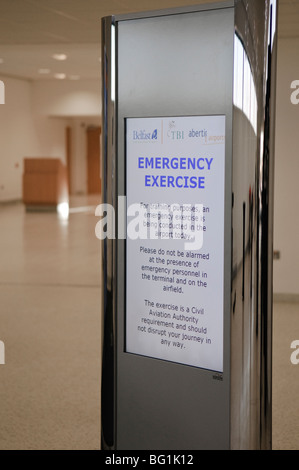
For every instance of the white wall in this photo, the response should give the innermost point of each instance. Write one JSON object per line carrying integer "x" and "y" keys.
{"x": 286, "y": 209}
{"x": 68, "y": 97}
{"x": 16, "y": 136}
{"x": 80, "y": 102}
{"x": 33, "y": 122}
{"x": 24, "y": 132}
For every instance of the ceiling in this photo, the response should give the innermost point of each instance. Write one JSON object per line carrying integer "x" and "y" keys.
{"x": 31, "y": 31}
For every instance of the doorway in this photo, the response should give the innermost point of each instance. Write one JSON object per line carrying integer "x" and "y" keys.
{"x": 93, "y": 134}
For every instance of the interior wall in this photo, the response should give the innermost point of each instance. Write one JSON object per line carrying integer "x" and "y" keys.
{"x": 80, "y": 102}
{"x": 35, "y": 115}
{"x": 79, "y": 125}
{"x": 25, "y": 132}
{"x": 73, "y": 98}
{"x": 33, "y": 122}
{"x": 286, "y": 218}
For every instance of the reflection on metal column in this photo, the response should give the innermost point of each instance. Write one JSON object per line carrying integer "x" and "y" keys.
{"x": 252, "y": 223}
{"x": 108, "y": 264}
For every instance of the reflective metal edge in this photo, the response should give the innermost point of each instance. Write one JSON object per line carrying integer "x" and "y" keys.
{"x": 252, "y": 230}
{"x": 266, "y": 229}
{"x": 176, "y": 10}
{"x": 108, "y": 414}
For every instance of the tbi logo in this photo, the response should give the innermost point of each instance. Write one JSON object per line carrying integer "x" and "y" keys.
{"x": 176, "y": 135}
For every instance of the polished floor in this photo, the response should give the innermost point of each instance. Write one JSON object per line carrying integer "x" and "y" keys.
{"x": 51, "y": 326}
{"x": 285, "y": 377}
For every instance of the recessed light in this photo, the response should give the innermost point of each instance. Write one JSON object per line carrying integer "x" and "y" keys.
{"x": 59, "y": 56}
{"x": 44, "y": 71}
{"x": 60, "y": 76}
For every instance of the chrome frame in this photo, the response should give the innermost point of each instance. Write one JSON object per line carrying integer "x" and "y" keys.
{"x": 109, "y": 277}
{"x": 252, "y": 228}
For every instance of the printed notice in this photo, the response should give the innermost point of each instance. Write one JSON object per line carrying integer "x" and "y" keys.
{"x": 175, "y": 253}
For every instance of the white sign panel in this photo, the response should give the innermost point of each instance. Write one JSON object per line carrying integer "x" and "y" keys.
{"x": 175, "y": 239}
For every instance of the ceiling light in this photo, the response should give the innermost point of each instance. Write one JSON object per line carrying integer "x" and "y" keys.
{"x": 60, "y": 76}
{"x": 44, "y": 71}
{"x": 59, "y": 56}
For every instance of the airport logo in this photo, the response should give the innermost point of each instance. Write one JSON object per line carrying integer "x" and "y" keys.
{"x": 143, "y": 135}
{"x": 198, "y": 133}
{"x": 295, "y": 94}
{"x": 173, "y": 133}
{"x": 2, "y": 92}
{"x": 2, "y": 353}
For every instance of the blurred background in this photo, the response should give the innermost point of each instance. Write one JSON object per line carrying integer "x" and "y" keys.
{"x": 50, "y": 184}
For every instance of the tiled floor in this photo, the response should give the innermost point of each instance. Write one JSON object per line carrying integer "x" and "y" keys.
{"x": 50, "y": 324}
{"x": 285, "y": 378}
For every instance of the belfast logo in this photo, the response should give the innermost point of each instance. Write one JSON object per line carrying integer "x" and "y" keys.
{"x": 2, "y": 92}
{"x": 144, "y": 135}
{"x": 2, "y": 353}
